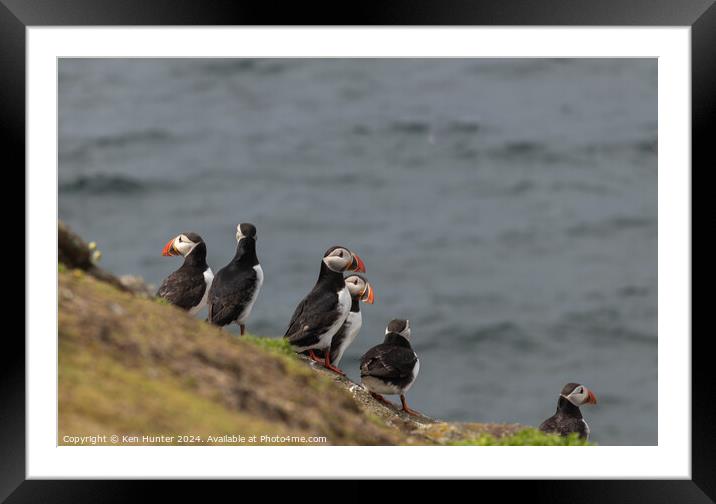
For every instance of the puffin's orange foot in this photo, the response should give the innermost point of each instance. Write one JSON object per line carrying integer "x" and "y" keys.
{"x": 380, "y": 398}
{"x": 406, "y": 408}
{"x": 330, "y": 366}
{"x": 412, "y": 412}
{"x": 313, "y": 357}
{"x": 334, "y": 369}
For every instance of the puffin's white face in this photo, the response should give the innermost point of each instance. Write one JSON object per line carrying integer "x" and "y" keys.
{"x": 360, "y": 289}
{"x": 581, "y": 395}
{"x": 341, "y": 259}
{"x": 180, "y": 245}
{"x": 399, "y": 326}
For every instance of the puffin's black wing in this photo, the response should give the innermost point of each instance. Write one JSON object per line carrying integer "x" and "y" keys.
{"x": 313, "y": 316}
{"x": 388, "y": 361}
{"x": 183, "y": 288}
{"x": 574, "y": 425}
{"x": 550, "y": 425}
{"x": 295, "y": 322}
{"x": 580, "y": 428}
{"x": 564, "y": 425}
{"x": 231, "y": 291}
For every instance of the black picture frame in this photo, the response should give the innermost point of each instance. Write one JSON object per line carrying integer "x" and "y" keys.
{"x": 16, "y": 15}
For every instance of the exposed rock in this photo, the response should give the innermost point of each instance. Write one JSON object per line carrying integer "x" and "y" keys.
{"x": 137, "y": 285}
{"x": 420, "y": 429}
{"x": 75, "y": 253}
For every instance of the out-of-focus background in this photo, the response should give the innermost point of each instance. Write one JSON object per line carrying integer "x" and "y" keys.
{"x": 508, "y": 208}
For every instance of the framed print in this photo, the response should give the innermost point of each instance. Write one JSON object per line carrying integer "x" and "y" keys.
{"x": 474, "y": 257}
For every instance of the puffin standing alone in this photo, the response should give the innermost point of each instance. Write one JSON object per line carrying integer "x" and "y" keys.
{"x": 236, "y": 286}
{"x": 361, "y": 291}
{"x": 568, "y": 417}
{"x": 188, "y": 286}
{"x": 392, "y": 366}
{"x": 320, "y": 315}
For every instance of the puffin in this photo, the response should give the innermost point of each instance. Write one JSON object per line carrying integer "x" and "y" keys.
{"x": 188, "y": 286}
{"x": 568, "y": 417}
{"x": 320, "y": 314}
{"x": 236, "y": 286}
{"x": 361, "y": 291}
{"x": 392, "y": 366}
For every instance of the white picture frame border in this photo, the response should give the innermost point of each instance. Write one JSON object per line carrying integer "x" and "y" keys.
{"x": 670, "y": 459}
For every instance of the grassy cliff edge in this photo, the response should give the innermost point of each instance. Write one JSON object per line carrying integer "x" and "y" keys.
{"x": 137, "y": 368}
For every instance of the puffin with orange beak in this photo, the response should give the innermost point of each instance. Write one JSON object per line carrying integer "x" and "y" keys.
{"x": 361, "y": 291}
{"x": 322, "y": 313}
{"x": 568, "y": 417}
{"x": 188, "y": 286}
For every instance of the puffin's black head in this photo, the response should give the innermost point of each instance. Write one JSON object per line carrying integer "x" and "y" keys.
{"x": 577, "y": 394}
{"x": 182, "y": 244}
{"x": 340, "y": 259}
{"x": 359, "y": 288}
{"x": 194, "y": 237}
{"x": 400, "y": 326}
{"x": 245, "y": 230}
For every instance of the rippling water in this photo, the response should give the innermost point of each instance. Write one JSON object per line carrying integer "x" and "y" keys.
{"x": 508, "y": 208}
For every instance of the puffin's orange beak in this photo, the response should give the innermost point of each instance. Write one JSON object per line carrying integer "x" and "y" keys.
{"x": 358, "y": 264}
{"x": 169, "y": 249}
{"x": 369, "y": 295}
{"x": 591, "y": 398}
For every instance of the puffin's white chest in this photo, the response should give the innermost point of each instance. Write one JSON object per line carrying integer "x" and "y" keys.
{"x": 351, "y": 327}
{"x": 208, "y": 278}
{"x": 259, "y": 276}
{"x": 254, "y": 295}
{"x": 353, "y": 323}
{"x": 342, "y": 309}
{"x": 416, "y": 370}
{"x": 344, "y": 303}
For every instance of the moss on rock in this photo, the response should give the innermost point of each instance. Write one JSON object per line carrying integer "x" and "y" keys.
{"x": 276, "y": 345}
{"x": 524, "y": 437}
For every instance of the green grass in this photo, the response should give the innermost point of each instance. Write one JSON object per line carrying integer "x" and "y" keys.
{"x": 61, "y": 268}
{"x": 98, "y": 394}
{"x": 278, "y": 345}
{"x": 526, "y": 437}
